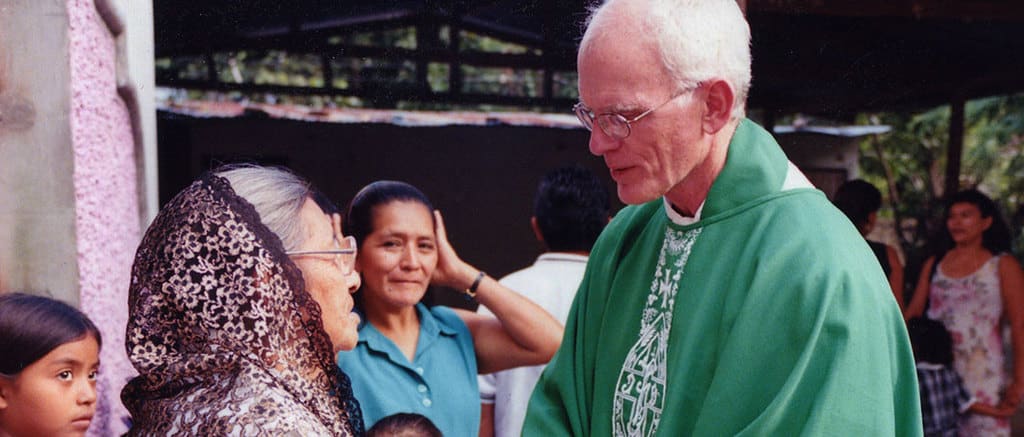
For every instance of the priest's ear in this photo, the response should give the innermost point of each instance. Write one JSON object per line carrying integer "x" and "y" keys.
{"x": 718, "y": 102}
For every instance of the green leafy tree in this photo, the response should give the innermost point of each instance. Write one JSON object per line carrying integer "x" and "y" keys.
{"x": 910, "y": 163}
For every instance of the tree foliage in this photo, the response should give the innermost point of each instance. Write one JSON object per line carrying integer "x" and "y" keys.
{"x": 910, "y": 163}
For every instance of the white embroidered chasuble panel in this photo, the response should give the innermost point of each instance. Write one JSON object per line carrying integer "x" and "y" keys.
{"x": 640, "y": 390}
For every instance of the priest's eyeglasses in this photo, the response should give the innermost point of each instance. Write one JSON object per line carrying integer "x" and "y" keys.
{"x": 344, "y": 253}
{"x": 614, "y": 124}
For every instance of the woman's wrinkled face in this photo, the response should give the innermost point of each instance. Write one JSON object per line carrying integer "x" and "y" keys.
{"x": 398, "y": 258}
{"x": 965, "y": 223}
{"x": 325, "y": 278}
{"x": 54, "y": 396}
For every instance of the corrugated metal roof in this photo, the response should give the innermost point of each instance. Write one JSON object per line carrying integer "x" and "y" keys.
{"x": 214, "y": 109}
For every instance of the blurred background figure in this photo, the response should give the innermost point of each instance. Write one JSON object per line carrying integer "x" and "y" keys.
{"x": 570, "y": 210}
{"x": 412, "y": 358}
{"x": 239, "y": 300}
{"x": 973, "y": 285}
{"x": 860, "y": 201}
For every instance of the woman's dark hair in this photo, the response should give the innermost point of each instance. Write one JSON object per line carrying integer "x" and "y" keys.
{"x": 404, "y": 425}
{"x": 858, "y": 199}
{"x": 32, "y": 326}
{"x": 571, "y": 207}
{"x": 997, "y": 237}
{"x": 930, "y": 340}
{"x": 359, "y": 215}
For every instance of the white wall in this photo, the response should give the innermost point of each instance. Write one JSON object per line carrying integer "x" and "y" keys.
{"x": 37, "y": 210}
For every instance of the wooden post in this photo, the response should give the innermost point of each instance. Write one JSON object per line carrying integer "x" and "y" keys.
{"x": 427, "y": 41}
{"x": 326, "y": 54}
{"x": 211, "y": 68}
{"x": 455, "y": 66}
{"x": 954, "y": 151}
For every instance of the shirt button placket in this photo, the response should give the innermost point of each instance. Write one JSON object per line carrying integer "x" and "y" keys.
{"x": 422, "y": 388}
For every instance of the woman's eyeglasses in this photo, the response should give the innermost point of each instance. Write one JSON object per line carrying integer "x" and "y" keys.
{"x": 344, "y": 254}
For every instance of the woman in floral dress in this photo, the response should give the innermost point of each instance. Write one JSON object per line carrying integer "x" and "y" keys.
{"x": 974, "y": 289}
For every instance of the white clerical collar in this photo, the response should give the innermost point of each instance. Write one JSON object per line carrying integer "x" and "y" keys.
{"x": 794, "y": 179}
{"x": 680, "y": 219}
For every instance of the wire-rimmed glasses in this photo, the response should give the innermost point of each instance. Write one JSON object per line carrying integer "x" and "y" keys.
{"x": 344, "y": 253}
{"x": 614, "y": 124}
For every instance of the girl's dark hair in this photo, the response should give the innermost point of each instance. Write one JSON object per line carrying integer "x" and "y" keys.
{"x": 32, "y": 326}
{"x": 997, "y": 237}
{"x": 404, "y": 425}
{"x": 359, "y": 215}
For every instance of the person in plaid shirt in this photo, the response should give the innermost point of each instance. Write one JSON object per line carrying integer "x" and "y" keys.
{"x": 943, "y": 396}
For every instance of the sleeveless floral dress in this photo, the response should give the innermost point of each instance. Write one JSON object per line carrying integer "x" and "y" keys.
{"x": 971, "y": 307}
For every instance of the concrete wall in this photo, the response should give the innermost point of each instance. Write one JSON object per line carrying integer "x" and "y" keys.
{"x": 37, "y": 208}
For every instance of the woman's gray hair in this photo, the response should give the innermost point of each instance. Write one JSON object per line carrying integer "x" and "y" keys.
{"x": 276, "y": 193}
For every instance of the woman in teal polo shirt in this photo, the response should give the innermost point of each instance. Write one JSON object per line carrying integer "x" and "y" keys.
{"x": 417, "y": 359}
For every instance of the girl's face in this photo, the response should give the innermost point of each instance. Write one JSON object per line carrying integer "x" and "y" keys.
{"x": 54, "y": 396}
{"x": 399, "y": 256}
{"x": 965, "y": 223}
{"x": 326, "y": 279}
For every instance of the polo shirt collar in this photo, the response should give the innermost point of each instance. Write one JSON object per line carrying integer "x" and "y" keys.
{"x": 561, "y": 257}
{"x": 430, "y": 329}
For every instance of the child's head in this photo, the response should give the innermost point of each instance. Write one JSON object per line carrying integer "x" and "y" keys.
{"x": 404, "y": 425}
{"x": 49, "y": 355}
{"x": 931, "y": 341}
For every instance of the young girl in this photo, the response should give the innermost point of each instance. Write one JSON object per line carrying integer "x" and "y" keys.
{"x": 49, "y": 357}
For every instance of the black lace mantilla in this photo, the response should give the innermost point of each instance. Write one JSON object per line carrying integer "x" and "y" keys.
{"x": 224, "y": 335}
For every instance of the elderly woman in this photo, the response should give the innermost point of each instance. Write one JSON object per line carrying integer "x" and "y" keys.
{"x": 239, "y": 299}
{"x": 417, "y": 359}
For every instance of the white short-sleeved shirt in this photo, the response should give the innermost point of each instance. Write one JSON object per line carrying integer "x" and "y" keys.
{"x": 551, "y": 282}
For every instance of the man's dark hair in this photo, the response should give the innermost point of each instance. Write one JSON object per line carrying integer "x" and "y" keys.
{"x": 858, "y": 199}
{"x": 32, "y": 326}
{"x": 404, "y": 425}
{"x": 930, "y": 340}
{"x": 572, "y": 209}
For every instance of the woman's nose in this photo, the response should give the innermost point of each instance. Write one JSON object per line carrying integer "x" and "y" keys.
{"x": 410, "y": 258}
